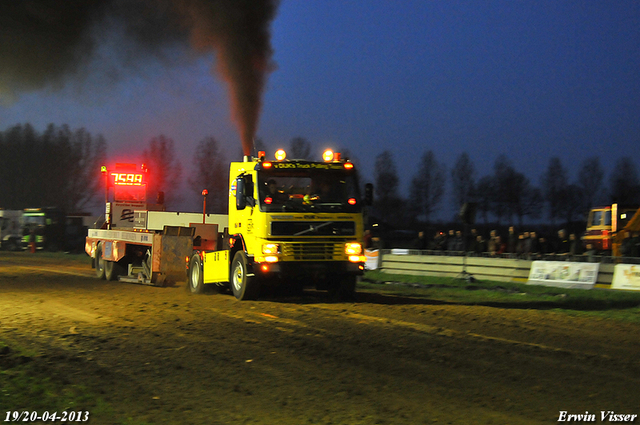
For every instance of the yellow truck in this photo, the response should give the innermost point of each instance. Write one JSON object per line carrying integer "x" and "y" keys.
{"x": 290, "y": 222}
{"x": 630, "y": 228}
{"x": 604, "y": 225}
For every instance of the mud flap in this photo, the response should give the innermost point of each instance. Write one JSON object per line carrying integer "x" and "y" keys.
{"x": 170, "y": 250}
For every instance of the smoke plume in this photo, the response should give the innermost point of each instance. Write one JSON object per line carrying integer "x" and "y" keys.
{"x": 45, "y": 43}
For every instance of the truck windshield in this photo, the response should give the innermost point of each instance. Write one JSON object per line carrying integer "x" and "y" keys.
{"x": 34, "y": 220}
{"x": 309, "y": 190}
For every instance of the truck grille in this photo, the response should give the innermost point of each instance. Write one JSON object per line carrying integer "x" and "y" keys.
{"x": 312, "y": 251}
{"x": 313, "y": 228}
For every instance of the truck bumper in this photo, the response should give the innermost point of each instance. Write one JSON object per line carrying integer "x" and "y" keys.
{"x": 308, "y": 269}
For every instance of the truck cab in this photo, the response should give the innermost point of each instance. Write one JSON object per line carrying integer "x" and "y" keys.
{"x": 602, "y": 225}
{"x": 290, "y": 222}
{"x": 46, "y": 226}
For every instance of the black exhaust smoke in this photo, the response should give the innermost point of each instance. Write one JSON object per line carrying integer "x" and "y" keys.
{"x": 43, "y": 43}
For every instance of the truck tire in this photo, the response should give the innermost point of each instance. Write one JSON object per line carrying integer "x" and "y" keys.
{"x": 195, "y": 281}
{"x": 112, "y": 269}
{"x": 243, "y": 285}
{"x": 100, "y": 263}
{"x": 343, "y": 288}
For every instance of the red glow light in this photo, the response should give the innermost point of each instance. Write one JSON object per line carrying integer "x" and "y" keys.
{"x": 348, "y": 165}
{"x": 268, "y": 200}
{"x": 351, "y": 201}
{"x": 266, "y": 164}
{"x": 265, "y": 268}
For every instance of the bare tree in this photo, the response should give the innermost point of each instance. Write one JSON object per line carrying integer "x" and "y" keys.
{"x": 484, "y": 196}
{"x": 427, "y": 186}
{"x": 624, "y": 185}
{"x": 590, "y": 178}
{"x": 502, "y": 196}
{"x": 532, "y": 203}
{"x": 462, "y": 180}
{"x": 523, "y": 199}
{"x": 572, "y": 207}
{"x": 386, "y": 187}
{"x": 84, "y": 181}
{"x": 554, "y": 183}
{"x": 210, "y": 172}
{"x": 165, "y": 170}
{"x": 300, "y": 148}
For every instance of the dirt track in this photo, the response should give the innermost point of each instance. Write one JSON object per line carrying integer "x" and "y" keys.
{"x": 160, "y": 355}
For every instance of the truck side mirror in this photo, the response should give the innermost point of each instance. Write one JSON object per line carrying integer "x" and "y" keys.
{"x": 368, "y": 194}
{"x": 241, "y": 201}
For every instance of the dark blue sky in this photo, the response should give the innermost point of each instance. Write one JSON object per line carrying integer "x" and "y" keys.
{"x": 528, "y": 79}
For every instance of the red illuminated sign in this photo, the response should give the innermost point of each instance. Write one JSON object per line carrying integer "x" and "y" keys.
{"x": 127, "y": 179}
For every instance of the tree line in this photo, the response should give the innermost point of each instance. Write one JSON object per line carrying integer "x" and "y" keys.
{"x": 59, "y": 167}
{"x": 505, "y": 195}
{"x": 55, "y": 168}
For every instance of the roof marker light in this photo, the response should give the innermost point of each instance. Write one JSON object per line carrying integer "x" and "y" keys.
{"x": 327, "y": 155}
{"x": 348, "y": 165}
{"x": 281, "y": 154}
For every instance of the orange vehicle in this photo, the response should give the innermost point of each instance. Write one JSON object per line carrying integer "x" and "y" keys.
{"x": 603, "y": 224}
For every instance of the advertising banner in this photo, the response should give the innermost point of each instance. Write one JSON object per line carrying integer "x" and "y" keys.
{"x": 626, "y": 276}
{"x": 563, "y": 274}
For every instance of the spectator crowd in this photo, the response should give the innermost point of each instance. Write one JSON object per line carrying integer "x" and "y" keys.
{"x": 527, "y": 244}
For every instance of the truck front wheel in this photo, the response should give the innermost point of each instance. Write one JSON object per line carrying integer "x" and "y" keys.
{"x": 195, "y": 283}
{"x": 243, "y": 285}
{"x": 343, "y": 288}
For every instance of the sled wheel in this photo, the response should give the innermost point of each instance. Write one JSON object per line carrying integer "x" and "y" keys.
{"x": 195, "y": 283}
{"x": 100, "y": 263}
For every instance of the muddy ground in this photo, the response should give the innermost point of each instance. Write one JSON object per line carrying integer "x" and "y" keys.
{"x": 162, "y": 356}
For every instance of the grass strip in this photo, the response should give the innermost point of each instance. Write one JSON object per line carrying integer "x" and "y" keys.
{"x": 619, "y": 305}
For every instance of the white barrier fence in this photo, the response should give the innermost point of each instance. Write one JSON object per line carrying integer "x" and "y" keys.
{"x": 412, "y": 262}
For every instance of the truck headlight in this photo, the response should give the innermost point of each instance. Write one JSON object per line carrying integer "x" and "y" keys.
{"x": 270, "y": 248}
{"x": 353, "y": 248}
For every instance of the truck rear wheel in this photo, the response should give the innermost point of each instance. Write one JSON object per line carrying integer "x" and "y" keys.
{"x": 243, "y": 285}
{"x": 112, "y": 269}
{"x": 99, "y": 262}
{"x": 195, "y": 283}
